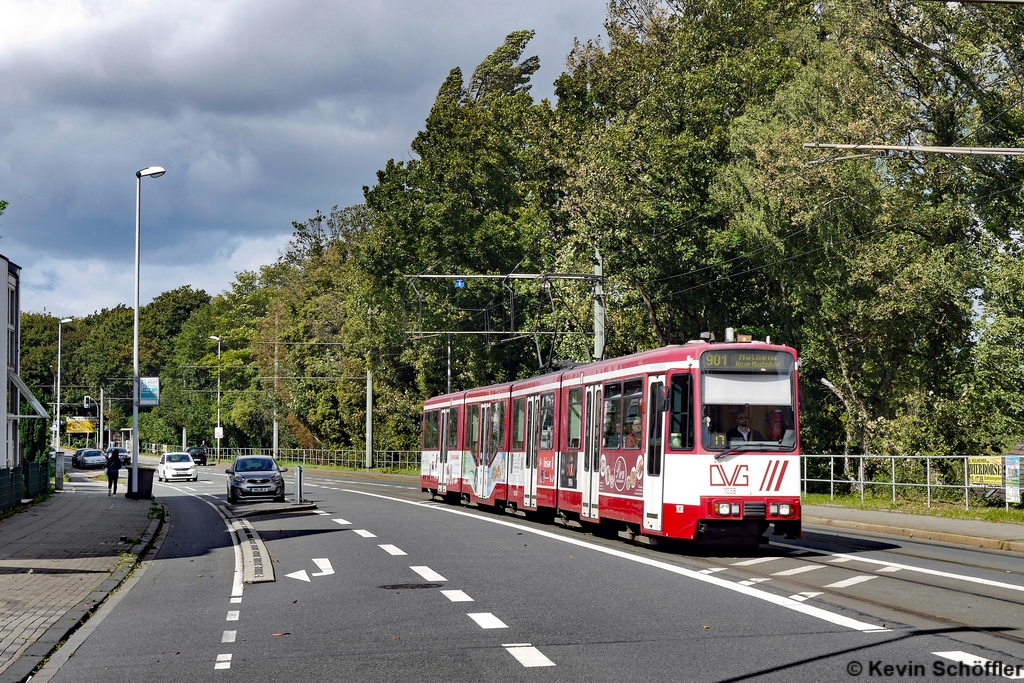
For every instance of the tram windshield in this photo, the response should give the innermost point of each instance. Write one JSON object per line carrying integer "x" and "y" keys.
{"x": 747, "y": 400}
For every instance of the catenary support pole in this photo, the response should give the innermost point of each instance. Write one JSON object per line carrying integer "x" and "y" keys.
{"x": 369, "y": 417}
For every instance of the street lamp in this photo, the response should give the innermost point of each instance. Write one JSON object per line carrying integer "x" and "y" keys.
{"x": 218, "y": 432}
{"x": 152, "y": 172}
{"x": 58, "y": 483}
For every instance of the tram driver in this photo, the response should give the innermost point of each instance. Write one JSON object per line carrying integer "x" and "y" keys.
{"x": 743, "y": 431}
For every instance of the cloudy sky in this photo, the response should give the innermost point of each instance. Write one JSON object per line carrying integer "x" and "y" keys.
{"x": 262, "y": 112}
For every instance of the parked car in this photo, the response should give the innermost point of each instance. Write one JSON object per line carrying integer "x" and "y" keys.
{"x": 198, "y": 454}
{"x": 92, "y": 457}
{"x": 76, "y": 459}
{"x": 255, "y": 477}
{"x": 174, "y": 466}
{"x": 123, "y": 455}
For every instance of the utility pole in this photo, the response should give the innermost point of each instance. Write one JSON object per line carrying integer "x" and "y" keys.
{"x": 276, "y": 339}
{"x": 449, "y": 364}
{"x": 369, "y": 416}
{"x": 599, "y": 308}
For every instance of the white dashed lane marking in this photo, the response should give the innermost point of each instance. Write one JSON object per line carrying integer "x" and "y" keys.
{"x": 456, "y": 596}
{"x": 756, "y": 560}
{"x": 799, "y": 570}
{"x": 233, "y": 615}
{"x": 236, "y": 600}
{"x": 364, "y": 533}
{"x": 800, "y": 597}
{"x": 428, "y": 573}
{"x": 486, "y": 620}
{"x": 712, "y": 570}
{"x": 889, "y": 570}
{"x": 229, "y": 636}
{"x": 223, "y": 662}
{"x": 752, "y": 582}
{"x": 392, "y": 549}
{"x": 528, "y": 655}
{"x": 321, "y": 512}
{"x": 343, "y": 522}
{"x": 846, "y": 583}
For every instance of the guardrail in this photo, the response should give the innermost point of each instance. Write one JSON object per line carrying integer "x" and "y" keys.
{"x": 936, "y": 476}
{"x": 317, "y": 457}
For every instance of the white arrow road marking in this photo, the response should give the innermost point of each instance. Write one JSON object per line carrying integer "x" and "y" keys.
{"x": 799, "y": 570}
{"x": 229, "y": 636}
{"x": 487, "y": 620}
{"x": 456, "y": 596}
{"x": 392, "y": 549}
{"x": 223, "y": 662}
{"x": 528, "y": 655}
{"x": 232, "y": 615}
{"x": 1011, "y": 671}
{"x": 846, "y": 583}
{"x": 300, "y": 575}
{"x": 364, "y": 533}
{"x": 343, "y": 522}
{"x": 800, "y": 597}
{"x": 324, "y": 565}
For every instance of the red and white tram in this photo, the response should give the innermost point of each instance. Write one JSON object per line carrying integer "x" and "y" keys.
{"x": 698, "y": 441}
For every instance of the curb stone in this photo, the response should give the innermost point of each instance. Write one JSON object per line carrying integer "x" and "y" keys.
{"x": 943, "y": 536}
{"x": 33, "y": 657}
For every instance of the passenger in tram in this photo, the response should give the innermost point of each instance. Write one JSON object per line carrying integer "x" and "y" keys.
{"x": 742, "y": 430}
{"x": 632, "y": 439}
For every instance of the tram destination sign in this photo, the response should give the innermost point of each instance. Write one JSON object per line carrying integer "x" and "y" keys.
{"x": 736, "y": 360}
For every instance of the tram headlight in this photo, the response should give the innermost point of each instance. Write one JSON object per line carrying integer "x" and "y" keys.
{"x": 724, "y": 509}
{"x": 780, "y": 509}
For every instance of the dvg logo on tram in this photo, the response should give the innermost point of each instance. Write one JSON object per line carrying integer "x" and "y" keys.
{"x": 738, "y": 477}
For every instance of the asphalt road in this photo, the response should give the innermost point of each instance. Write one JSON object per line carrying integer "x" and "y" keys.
{"x": 381, "y": 584}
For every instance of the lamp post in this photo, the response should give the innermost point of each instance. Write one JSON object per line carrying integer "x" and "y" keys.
{"x": 218, "y": 432}
{"x": 152, "y": 172}
{"x": 58, "y": 457}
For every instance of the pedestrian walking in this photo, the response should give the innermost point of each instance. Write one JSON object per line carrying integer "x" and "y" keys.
{"x": 113, "y": 465}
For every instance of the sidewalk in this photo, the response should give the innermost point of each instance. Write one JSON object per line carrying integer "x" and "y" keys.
{"x": 59, "y": 560}
{"x": 974, "y": 533}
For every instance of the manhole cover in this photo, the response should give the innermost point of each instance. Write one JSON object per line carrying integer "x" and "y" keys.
{"x": 410, "y": 586}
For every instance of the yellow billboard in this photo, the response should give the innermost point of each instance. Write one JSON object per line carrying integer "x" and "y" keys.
{"x": 80, "y": 425}
{"x": 985, "y": 471}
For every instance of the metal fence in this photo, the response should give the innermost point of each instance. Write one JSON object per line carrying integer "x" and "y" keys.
{"x": 27, "y": 481}
{"x": 316, "y": 457}
{"x": 933, "y": 478}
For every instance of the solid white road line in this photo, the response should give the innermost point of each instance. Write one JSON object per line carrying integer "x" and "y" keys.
{"x": 1011, "y": 671}
{"x": 799, "y": 570}
{"x": 223, "y": 662}
{"x": 846, "y": 583}
{"x": 343, "y": 522}
{"x": 456, "y": 596}
{"x": 324, "y": 565}
{"x": 229, "y": 636}
{"x": 364, "y": 533}
{"x": 486, "y": 620}
{"x": 803, "y": 608}
{"x": 756, "y": 560}
{"x": 428, "y": 573}
{"x": 528, "y": 655}
{"x": 233, "y": 615}
{"x": 392, "y": 549}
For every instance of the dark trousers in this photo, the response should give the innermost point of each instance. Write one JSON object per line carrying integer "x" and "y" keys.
{"x": 112, "y": 482}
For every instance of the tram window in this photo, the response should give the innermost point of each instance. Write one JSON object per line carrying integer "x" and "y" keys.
{"x": 681, "y": 409}
{"x": 612, "y": 415}
{"x": 575, "y": 418}
{"x": 497, "y": 429}
{"x": 547, "y": 422}
{"x": 473, "y": 431}
{"x": 453, "y": 428}
{"x": 656, "y": 415}
{"x": 431, "y": 431}
{"x": 632, "y": 426}
{"x": 518, "y": 424}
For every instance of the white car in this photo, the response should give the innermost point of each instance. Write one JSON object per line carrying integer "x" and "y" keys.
{"x": 92, "y": 457}
{"x": 174, "y": 466}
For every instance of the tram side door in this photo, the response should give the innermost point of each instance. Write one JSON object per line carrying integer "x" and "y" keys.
{"x": 532, "y": 442}
{"x": 442, "y": 458}
{"x": 591, "y": 484}
{"x": 654, "y": 480}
